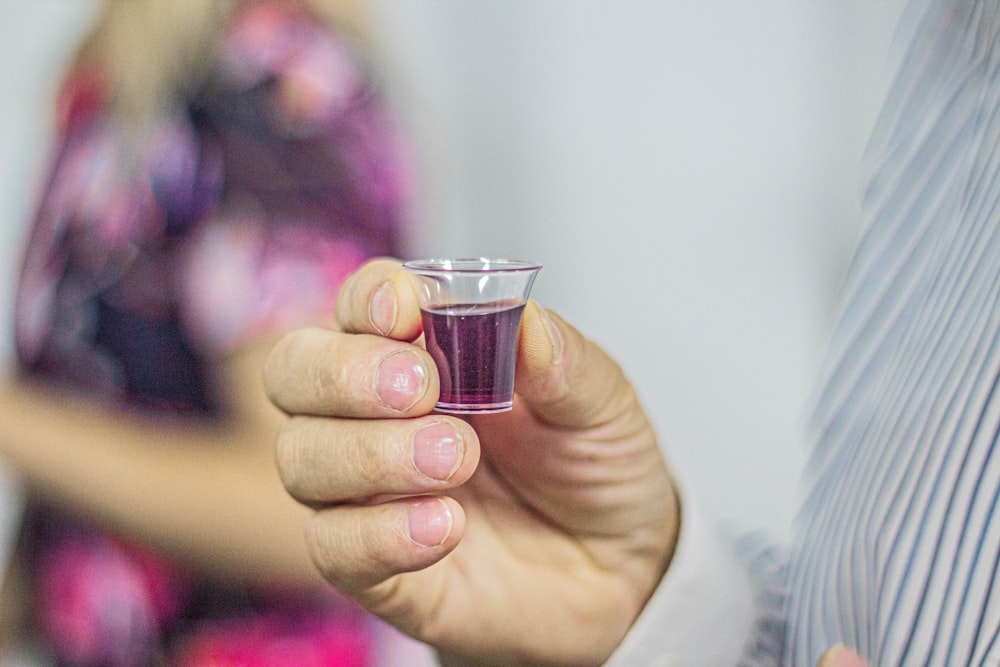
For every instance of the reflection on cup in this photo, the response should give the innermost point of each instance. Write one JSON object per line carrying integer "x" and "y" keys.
{"x": 471, "y": 312}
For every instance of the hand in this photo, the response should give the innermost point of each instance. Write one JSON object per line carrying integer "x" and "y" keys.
{"x": 839, "y": 656}
{"x": 530, "y": 537}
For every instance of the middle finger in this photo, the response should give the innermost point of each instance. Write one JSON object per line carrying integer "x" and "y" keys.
{"x": 324, "y": 460}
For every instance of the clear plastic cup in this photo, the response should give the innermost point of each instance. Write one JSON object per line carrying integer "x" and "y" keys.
{"x": 471, "y": 310}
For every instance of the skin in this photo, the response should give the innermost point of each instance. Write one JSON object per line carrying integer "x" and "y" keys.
{"x": 525, "y": 526}
{"x": 840, "y": 656}
{"x": 205, "y": 494}
{"x": 539, "y": 546}
{"x": 522, "y": 529}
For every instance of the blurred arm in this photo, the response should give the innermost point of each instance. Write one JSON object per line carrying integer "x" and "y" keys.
{"x": 205, "y": 493}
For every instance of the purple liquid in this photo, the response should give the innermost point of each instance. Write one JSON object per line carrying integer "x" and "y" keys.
{"x": 475, "y": 348}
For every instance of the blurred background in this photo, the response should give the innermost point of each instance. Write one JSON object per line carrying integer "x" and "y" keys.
{"x": 687, "y": 172}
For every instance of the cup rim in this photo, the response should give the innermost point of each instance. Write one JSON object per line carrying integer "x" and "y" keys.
{"x": 470, "y": 265}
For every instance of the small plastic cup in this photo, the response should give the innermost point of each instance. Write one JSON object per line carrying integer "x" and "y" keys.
{"x": 471, "y": 311}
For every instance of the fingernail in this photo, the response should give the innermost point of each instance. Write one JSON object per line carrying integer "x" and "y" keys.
{"x": 554, "y": 337}
{"x": 845, "y": 657}
{"x": 401, "y": 380}
{"x": 429, "y": 523}
{"x": 437, "y": 451}
{"x": 382, "y": 308}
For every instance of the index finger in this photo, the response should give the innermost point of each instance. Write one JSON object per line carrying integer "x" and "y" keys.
{"x": 320, "y": 372}
{"x": 380, "y": 298}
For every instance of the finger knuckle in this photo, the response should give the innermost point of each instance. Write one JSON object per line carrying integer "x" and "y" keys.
{"x": 344, "y": 544}
{"x": 293, "y": 458}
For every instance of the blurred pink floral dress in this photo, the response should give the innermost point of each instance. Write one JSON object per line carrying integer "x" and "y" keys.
{"x": 247, "y": 207}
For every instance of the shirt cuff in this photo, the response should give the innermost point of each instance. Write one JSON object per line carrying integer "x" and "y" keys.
{"x": 702, "y": 613}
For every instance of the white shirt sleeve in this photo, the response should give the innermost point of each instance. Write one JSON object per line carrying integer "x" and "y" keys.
{"x": 702, "y": 613}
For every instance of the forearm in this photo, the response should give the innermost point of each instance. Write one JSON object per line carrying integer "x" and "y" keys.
{"x": 204, "y": 494}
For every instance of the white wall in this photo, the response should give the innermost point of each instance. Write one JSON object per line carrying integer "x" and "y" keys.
{"x": 686, "y": 171}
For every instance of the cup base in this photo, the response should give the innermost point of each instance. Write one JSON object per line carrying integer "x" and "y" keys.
{"x": 473, "y": 408}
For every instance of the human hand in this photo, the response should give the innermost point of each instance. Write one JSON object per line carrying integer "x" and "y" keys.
{"x": 840, "y": 656}
{"x": 533, "y": 536}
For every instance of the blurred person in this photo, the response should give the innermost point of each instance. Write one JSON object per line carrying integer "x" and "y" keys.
{"x": 218, "y": 169}
{"x": 557, "y": 534}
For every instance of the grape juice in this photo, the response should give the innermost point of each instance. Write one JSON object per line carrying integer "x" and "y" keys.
{"x": 475, "y": 348}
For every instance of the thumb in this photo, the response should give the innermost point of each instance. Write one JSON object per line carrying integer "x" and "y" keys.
{"x": 564, "y": 378}
{"x": 841, "y": 656}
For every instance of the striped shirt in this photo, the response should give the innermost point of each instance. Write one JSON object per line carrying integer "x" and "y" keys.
{"x": 895, "y": 550}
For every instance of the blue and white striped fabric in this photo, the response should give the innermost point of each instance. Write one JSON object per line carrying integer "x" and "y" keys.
{"x": 896, "y": 548}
